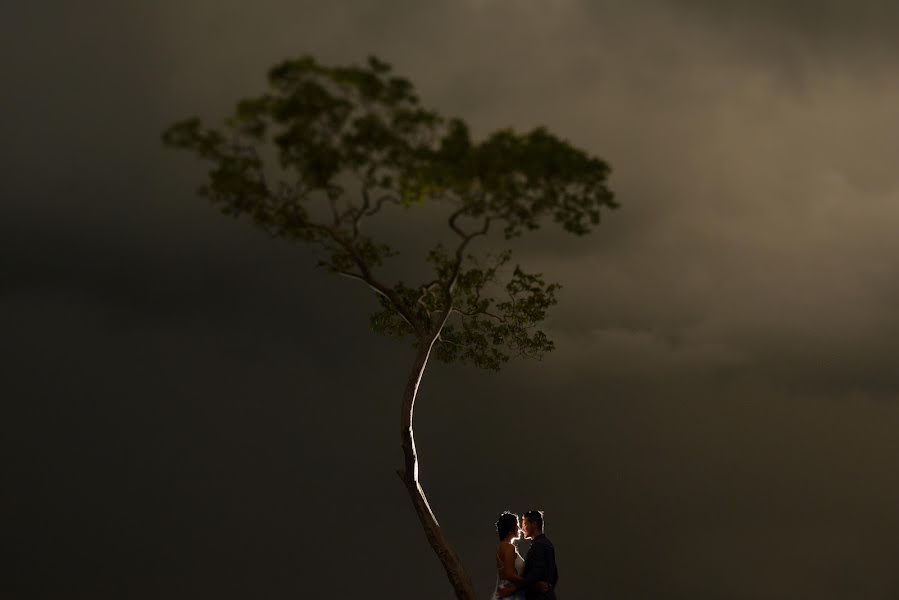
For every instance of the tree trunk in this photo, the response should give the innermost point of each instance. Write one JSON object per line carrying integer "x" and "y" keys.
{"x": 409, "y": 474}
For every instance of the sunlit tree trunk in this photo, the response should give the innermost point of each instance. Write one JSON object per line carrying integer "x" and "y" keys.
{"x": 409, "y": 474}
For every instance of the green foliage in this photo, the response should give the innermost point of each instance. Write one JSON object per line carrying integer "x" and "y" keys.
{"x": 347, "y": 142}
{"x": 519, "y": 179}
{"x": 490, "y": 331}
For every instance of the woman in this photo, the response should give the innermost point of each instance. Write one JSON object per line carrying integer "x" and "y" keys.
{"x": 509, "y": 563}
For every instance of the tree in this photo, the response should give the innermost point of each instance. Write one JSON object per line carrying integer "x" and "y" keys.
{"x": 328, "y": 148}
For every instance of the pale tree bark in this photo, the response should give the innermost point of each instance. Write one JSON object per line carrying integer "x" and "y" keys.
{"x": 409, "y": 475}
{"x": 427, "y": 337}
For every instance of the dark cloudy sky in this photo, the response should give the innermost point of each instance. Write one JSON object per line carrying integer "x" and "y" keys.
{"x": 190, "y": 410}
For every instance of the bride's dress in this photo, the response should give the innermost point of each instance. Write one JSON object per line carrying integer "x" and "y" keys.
{"x": 501, "y": 583}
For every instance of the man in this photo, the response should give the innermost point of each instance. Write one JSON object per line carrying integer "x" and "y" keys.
{"x": 539, "y": 564}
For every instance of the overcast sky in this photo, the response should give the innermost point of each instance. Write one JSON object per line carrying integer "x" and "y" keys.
{"x": 192, "y": 410}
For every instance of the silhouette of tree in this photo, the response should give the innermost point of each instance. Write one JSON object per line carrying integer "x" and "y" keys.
{"x": 328, "y": 148}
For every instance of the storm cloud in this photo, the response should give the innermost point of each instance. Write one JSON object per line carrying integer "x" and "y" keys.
{"x": 192, "y": 409}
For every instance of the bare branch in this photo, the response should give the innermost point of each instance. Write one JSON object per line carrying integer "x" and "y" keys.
{"x": 366, "y": 275}
{"x": 452, "y": 221}
{"x": 450, "y": 283}
{"x": 377, "y": 289}
{"x": 369, "y": 209}
{"x": 425, "y": 289}
{"x": 379, "y": 203}
{"x": 461, "y": 249}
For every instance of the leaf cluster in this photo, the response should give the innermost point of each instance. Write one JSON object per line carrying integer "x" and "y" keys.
{"x": 347, "y": 143}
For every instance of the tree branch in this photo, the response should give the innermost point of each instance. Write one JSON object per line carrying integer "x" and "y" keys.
{"x": 367, "y": 210}
{"x": 466, "y": 238}
{"x": 424, "y": 291}
{"x": 450, "y": 283}
{"x": 366, "y": 275}
{"x": 379, "y": 203}
{"x": 452, "y": 221}
{"x": 377, "y": 289}
{"x": 499, "y": 318}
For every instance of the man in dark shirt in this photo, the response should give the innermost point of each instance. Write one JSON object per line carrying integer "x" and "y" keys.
{"x": 539, "y": 564}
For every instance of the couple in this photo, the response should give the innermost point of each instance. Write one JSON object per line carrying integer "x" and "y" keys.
{"x": 534, "y": 577}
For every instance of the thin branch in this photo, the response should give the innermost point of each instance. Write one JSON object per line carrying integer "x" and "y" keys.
{"x": 460, "y": 251}
{"x": 377, "y": 289}
{"x": 337, "y": 217}
{"x": 366, "y": 200}
{"x": 424, "y": 291}
{"x": 379, "y": 203}
{"x": 368, "y": 209}
{"x": 445, "y": 341}
{"x": 452, "y": 221}
{"x": 366, "y": 275}
{"x": 450, "y": 283}
{"x": 499, "y": 318}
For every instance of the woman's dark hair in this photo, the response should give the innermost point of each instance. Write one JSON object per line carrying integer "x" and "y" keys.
{"x": 506, "y": 524}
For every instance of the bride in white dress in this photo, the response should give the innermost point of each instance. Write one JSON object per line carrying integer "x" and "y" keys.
{"x": 509, "y": 563}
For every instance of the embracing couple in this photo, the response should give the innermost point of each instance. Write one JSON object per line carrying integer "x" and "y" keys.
{"x": 533, "y": 577}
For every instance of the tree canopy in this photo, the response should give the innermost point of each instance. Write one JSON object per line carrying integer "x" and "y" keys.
{"x": 356, "y": 140}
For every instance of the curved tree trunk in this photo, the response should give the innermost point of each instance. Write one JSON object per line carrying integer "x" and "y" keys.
{"x": 409, "y": 474}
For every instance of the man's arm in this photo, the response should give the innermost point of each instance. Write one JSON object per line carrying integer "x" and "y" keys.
{"x": 538, "y": 570}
